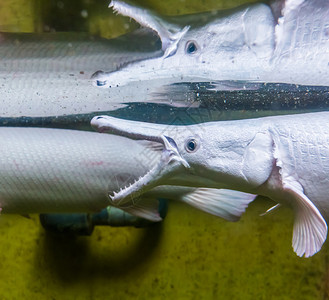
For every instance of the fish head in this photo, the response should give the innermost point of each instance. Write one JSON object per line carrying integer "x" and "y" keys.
{"x": 199, "y": 155}
{"x": 201, "y": 47}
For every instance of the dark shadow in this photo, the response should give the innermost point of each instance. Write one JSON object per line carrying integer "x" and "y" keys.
{"x": 71, "y": 259}
{"x": 65, "y": 15}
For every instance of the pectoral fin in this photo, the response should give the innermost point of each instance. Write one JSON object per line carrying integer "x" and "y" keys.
{"x": 227, "y": 204}
{"x": 310, "y": 229}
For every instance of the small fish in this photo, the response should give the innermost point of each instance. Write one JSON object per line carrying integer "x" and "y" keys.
{"x": 44, "y": 170}
{"x": 287, "y": 42}
{"x": 285, "y": 158}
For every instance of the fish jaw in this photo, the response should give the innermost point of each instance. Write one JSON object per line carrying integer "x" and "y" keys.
{"x": 151, "y": 69}
{"x": 169, "y": 34}
{"x": 220, "y": 159}
{"x": 130, "y": 129}
{"x": 169, "y": 163}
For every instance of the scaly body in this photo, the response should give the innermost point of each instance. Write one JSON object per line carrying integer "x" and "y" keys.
{"x": 285, "y": 158}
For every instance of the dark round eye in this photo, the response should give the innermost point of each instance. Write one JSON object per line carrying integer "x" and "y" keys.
{"x": 191, "y": 47}
{"x": 191, "y": 145}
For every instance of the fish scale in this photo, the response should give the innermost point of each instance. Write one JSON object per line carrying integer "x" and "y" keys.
{"x": 307, "y": 157}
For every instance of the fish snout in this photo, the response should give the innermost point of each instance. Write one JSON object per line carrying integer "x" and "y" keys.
{"x": 99, "y": 124}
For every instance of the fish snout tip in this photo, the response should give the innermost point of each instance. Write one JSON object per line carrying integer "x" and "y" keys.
{"x": 97, "y": 123}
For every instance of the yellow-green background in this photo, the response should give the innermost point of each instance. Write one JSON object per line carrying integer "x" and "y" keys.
{"x": 190, "y": 255}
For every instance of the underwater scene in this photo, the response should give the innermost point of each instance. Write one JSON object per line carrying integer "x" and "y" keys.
{"x": 157, "y": 149}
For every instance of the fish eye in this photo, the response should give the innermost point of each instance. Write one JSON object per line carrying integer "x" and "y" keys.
{"x": 191, "y": 145}
{"x": 191, "y": 47}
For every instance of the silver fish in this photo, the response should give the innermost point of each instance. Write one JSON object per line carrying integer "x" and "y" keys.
{"x": 285, "y": 43}
{"x": 285, "y": 158}
{"x": 44, "y": 170}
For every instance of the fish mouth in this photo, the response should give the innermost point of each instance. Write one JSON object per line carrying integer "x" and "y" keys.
{"x": 169, "y": 34}
{"x": 170, "y": 159}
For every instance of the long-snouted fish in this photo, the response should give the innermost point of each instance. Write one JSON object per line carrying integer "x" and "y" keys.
{"x": 287, "y": 42}
{"x": 56, "y": 170}
{"x": 285, "y": 158}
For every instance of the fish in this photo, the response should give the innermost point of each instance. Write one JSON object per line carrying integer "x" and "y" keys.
{"x": 50, "y": 170}
{"x": 284, "y": 158}
{"x": 286, "y": 42}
